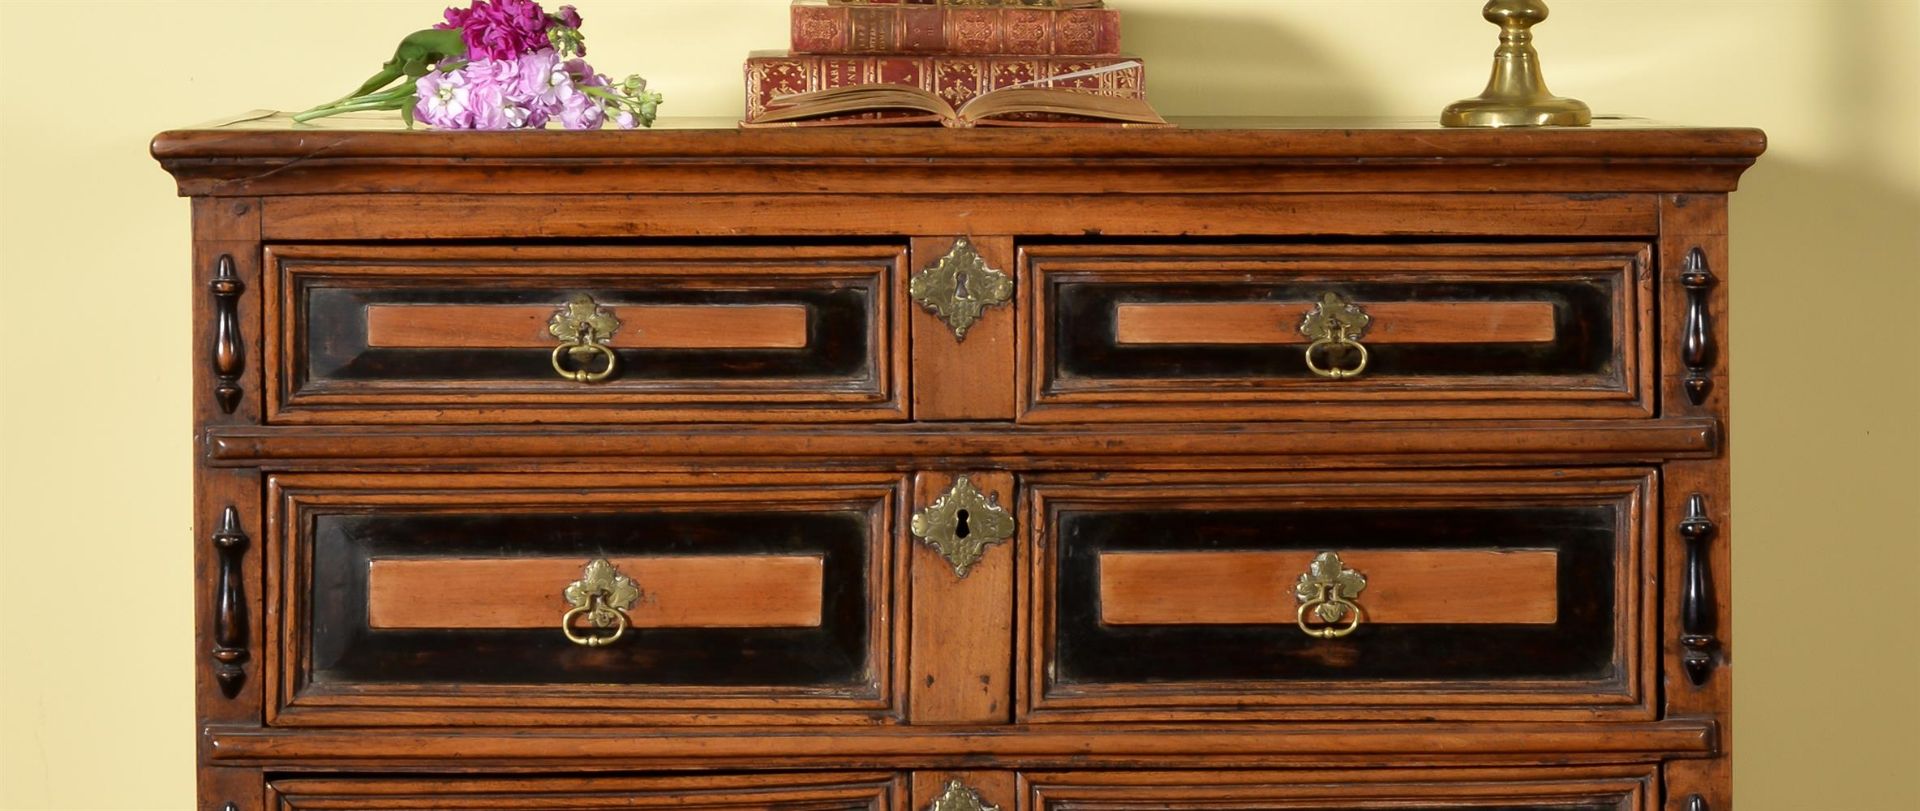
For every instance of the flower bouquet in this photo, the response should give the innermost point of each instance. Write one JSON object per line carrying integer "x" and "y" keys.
{"x": 497, "y": 65}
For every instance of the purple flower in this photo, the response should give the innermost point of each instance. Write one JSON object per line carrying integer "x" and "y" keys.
{"x": 444, "y": 100}
{"x": 499, "y": 29}
{"x": 579, "y": 111}
{"x": 569, "y": 17}
{"x": 543, "y": 79}
{"x": 492, "y": 92}
{"x": 626, "y": 120}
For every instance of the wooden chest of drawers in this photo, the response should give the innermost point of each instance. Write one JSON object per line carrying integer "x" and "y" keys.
{"x": 1244, "y": 465}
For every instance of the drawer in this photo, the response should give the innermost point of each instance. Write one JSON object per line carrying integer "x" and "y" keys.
{"x": 1358, "y": 596}
{"x": 1248, "y": 332}
{"x": 813, "y": 792}
{"x": 596, "y": 599}
{"x": 394, "y": 334}
{"x": 1619, "y": 788}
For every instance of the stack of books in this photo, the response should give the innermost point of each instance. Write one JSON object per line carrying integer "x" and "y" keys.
{"x": 961, "y": 63}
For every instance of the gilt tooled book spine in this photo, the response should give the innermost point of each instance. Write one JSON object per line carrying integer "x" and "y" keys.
{"x": 956, "y": 79}
{"x": 822, "y": 28}
{"x": 975, "y": 3}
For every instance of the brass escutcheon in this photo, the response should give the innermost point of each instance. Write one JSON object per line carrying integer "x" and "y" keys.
{"x": 1334, "y": 326}
{"x": 602, "y": 595}
{"x": 583, "y": 328}
{"x": 958, "y": 796}
{"x": 960, "y": 287}
{"x": 1326, "y": 593}
{"x": 962, "y": 524}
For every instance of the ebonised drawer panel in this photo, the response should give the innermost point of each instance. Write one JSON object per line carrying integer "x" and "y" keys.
{"x": 1241, "y": 332}
{"x": 392, "y": 333}
{"x": 1473, "y": 596}
{"x": 408, "y": 599}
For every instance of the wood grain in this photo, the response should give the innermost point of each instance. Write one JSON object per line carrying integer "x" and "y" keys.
{"x": 654, "y": 326}
{"x": 1452, "y": 322}
{"x": 960, "y": 659}
{"x": 957, "y": 676}
{"x": 1293, "y": 745}
{"x": 717, "y": 591}
{"x": 956, "y": 379}
{"x": 1414, "y": 587}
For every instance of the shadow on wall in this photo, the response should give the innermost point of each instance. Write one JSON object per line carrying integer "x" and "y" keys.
{"x": 1826, "y": 268}
{"x": 1203, "y": 61}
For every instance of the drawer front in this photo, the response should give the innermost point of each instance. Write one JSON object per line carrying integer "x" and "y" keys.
{"x": 380, "y": 333}
{"x": 1624, "y": 788}
{"x": 1482, "y": 596}
{"x": 819, "y": 792}
{"x": 1337, "y": 332}
{"x": 510, "y": 599}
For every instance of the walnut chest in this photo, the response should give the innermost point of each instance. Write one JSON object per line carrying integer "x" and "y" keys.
{"x": 1251, "y": 464}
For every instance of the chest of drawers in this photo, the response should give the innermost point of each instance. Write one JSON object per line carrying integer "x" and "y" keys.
{"x": 1252, "y": 464}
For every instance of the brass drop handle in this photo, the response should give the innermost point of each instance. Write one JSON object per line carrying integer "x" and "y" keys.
{"x": 583, "y": 328}
{"x": 1327, "y": 593}
{"x": 602, "y": 595}
{"x": 1334, "y": 326}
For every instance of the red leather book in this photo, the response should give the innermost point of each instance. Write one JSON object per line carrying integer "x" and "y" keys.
{"x": 993, "y": 3}
{"x": 956, "y": 79}
{"x": 824, "y": 27}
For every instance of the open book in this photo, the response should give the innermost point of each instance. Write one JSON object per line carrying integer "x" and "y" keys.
{"x": 1007, "y": 107}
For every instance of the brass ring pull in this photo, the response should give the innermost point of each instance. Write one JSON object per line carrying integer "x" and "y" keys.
{"x": 593, "y": 641}
{"x": 584, "y": 327}
{"x": 1340, "y": 608}
{"x": 602, "y": 595}
{"x": 1336, "y": 372}
{"x": 584, "y": 373}
{"x": 1327, "y": 594}
{"x": 1335, "y": 322}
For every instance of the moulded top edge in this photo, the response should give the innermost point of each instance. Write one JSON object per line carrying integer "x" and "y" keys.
{"x": 268, "y": 135}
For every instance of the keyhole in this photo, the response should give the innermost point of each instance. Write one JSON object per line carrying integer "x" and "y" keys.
{"x": 960, "y": 525}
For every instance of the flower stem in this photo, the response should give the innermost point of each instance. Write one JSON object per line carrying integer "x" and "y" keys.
{"x": 388, "y": 100}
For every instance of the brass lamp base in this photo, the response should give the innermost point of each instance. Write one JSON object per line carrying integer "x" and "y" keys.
{"x": 1516, "y": 95}
{"x": 1552, "y": 111}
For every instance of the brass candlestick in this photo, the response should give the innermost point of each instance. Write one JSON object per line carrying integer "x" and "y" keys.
{"x": 1516, "y": 96}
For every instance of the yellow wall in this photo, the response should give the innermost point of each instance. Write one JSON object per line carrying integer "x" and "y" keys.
{"x": 94, "y": 583}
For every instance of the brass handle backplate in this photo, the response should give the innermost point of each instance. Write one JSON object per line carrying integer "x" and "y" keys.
{"x": 1335, "y": 326}
{"x": 602, "y": 595}
{"x": 584, "y": 328}
{"x": 1327, "y": 593}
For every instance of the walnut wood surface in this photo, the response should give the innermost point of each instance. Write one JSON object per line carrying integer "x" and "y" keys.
{"x": 718, "y": 591}
{"x": 1461, "y": 322}
{"x": 1474, "y": 247}
{"x": 645, "y": 327}
{"x": 1467, "y": 587}
{"x": 961, "y": 627}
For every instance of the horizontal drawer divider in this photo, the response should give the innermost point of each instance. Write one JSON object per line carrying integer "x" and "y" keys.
{"x": 1507, "y": 441}
{"x": 1039, "y": 746}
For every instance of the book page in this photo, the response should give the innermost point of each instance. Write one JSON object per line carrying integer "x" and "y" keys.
{"x": 1062, "y": 102}
{"x": 864, "y": 98}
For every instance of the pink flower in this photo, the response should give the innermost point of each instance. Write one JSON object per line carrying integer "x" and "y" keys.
{"x": 491, "y": 92}
{"x": 499, "y": 29}
{"x": 543, "y": 79}
{"x": 444, "y": 100}
{"x": 578, "y": 111}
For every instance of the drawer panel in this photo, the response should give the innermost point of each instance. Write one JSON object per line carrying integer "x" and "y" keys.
{"x": 813, "y": 792}
{"x": 388, "y": 333}
{"x": 510, "y": 599}
{"x": 1160, "y": 332}
{"x": 1622, "y": 788}
{"x": 1510, "y": 596}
